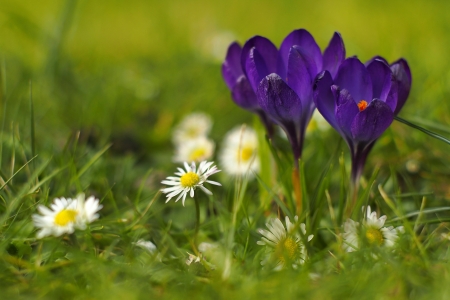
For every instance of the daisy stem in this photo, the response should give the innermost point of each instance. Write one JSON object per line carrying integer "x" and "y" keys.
{"x": 297, "y": 187}
{"x": 197, "y": 220}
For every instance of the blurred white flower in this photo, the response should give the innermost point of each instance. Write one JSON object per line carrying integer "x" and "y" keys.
{"x": 350, "y": 235}
{"x": 284, "y": 245}
{"x": 317, "y": 123}
{"x": 192, "y": 127}
{"x": 195, "y": 150}
{"x": 373, "y": 232}
{"x": 413, "y": 166}
{"x": 147, "y": 245}
{"x": 445, "y": 236}
{"x": 205, "y": 247}
{"x": 187, "y": 181}
{"x": 214, "y": 43}
{"x": 66, "y": 215}
{"x": 239, "y": 153}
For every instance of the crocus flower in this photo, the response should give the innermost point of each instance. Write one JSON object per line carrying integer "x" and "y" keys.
{"x": 241, "y": 91}
{"x": 283, "y": 79}
{"x": 401, "y": 83}
{"x": 361, "y": 102}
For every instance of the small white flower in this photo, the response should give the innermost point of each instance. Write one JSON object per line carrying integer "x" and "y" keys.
{"x": 192, "y": 127}
{"x": 147, "y": 245}
{"x": 190, "y": 179}
{"x": 239, "y": 153}
{"x": 193, "y": 259}
{"x": 373, "y": 232}
{"x": 196, "y": 150}
{"x": 283, "y": 244}
{"x": 198, "y": 264}
{"x": 66, "y": 215}
{"x": 205, "y": 247}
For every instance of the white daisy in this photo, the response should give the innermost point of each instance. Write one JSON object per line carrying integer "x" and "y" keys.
{"x": 239, "y": 153}
{"x": 66, "y": 215}
{"x": 196, "y": 150}
{"x": 350, "y": 235}
{"x": 187, "y": 181}
{"x": 88, "y": 209}
{"x": 372, "y": 232}
{"x": 192, "y": 127}
{"x": 283, "y": 244}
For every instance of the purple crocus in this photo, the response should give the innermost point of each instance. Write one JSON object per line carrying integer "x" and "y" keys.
{"x": 241, "y": 90}
{"x": 283, "y": 79}
{"x": 361, "y": 102}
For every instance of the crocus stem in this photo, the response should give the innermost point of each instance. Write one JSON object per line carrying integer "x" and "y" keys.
{"x": 197, "y": 220}
{"x": 353, "y": 197}
{"x": 297, "y": 188}
{"x": 268, "y": 125}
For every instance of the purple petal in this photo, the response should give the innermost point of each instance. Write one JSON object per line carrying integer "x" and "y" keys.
{"x": 325, "y": 99}
{"x": 376, "y": 58}
{"x": 392, "y": 97}
{"x": 255, "y": 68}
{"x": 370, "y": 123}
{"x": 334, "y": 54}
{"x": 243, "y": 94}
{"x": 346, "y": 110}
{"x": 305, "y": 41}
{"x": 301, "y": 69}
{"x": 381, "y": 76}
{"x": 354, "y": 77}
{"x": 267, "y": 51}
{"x": 231, "y": 67}
{"x": 278, "y": 100}
{"x": 402, "y": 75}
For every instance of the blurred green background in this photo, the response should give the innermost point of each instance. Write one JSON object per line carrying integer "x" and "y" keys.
{"x": 126, "y": 71}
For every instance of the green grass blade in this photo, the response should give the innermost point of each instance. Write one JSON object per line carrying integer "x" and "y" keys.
{"x": 90, "y": 162}
{"x": 426, "y": 131}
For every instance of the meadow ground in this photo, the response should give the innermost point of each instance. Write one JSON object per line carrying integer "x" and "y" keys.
{"x": 90, "y": 94}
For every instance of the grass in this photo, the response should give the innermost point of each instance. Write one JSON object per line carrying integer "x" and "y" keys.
{"x": 90, "y": 93}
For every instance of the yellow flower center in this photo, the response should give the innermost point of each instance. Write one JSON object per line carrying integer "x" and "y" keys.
{"x": 374, "y": 236}
{"x": 362, "y": 105}
{"x": 65, "y": 216}
{"x": 189, "y": 179}
{"x": 197, "y": 154}
{"x": 287, "y": 249}
{"x": 246, "y": 153}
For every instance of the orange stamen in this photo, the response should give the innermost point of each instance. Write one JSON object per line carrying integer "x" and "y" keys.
{"x": 362, "y": 105}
